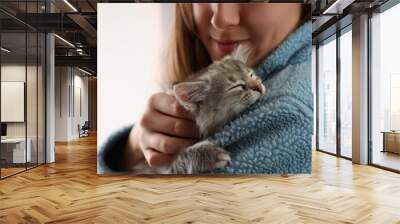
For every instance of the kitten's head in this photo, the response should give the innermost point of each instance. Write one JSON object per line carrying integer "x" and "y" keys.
{"x": 220, "y": 91}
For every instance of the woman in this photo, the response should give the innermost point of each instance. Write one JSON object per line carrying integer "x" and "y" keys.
{"x": 274, "y": 136}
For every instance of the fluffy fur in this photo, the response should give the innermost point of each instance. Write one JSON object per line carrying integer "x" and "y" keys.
{"x": 215, "y": 96}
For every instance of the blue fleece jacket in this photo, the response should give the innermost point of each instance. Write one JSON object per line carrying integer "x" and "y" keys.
{"x": 274, "y": 134}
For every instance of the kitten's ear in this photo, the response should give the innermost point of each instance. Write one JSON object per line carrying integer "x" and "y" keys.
{"x": 240, "y": 53}
{"x": 190, "y": 93}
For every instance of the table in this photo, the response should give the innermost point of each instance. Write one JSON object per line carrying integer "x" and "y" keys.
{"x": 391, "y": 141}
{"x": 14, "y": 148}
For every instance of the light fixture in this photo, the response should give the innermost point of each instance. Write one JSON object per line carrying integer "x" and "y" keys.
{"x": 64, "y": 40}
{"x": 326, "y": 11}
{"x": 5, "y": 50}
{"x": 79, "y": 51}
{"x": 70, "y": 5}
{"x": 84, "y": 71}
{"x": 337, "y": 7}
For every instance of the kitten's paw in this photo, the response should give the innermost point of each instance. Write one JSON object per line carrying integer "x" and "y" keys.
{"x": 200, "y": 158}
{"x": 224, "y": 156}
{"x": 219, "y": 157}
{"x": 221, "y": 164}
{"x": 223, "y": 159}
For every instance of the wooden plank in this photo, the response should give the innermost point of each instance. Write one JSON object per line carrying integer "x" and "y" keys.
{"x": 70, "y": 191}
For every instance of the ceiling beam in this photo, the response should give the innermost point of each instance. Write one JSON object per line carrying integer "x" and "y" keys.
{"x": 85, "y": 25}
{"x": 84, "y": 61}
{"x": 337, "y": 7}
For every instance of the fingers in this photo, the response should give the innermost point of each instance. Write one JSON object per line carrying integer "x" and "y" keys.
{"x": 158, "y": 122}
{"x": 159, "y": 149}
{"x": 156, "y": 159}
{"x": 166, "y": 128}
{"x": 168, "y": 104}
{"x": 166, "y": 144}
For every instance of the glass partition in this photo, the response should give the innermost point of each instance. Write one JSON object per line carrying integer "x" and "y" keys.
{"x": 13, "y": 103}
{"x": 22, "y": 77}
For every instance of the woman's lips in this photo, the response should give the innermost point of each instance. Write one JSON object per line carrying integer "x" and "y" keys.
{"x": 226, "y": 47}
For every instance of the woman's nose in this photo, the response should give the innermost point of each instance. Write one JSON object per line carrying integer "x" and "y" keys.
{"x": 225, "y": 15}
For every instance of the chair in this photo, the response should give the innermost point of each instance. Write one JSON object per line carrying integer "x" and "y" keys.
{"x": 84, "y": 130}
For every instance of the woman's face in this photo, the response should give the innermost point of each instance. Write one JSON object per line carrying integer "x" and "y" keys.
{"x": 261, "y": 26}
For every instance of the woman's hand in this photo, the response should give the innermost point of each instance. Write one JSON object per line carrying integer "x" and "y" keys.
{"x": 163, "y": 130}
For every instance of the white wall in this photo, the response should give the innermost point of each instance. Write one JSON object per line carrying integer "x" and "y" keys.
{"x": 80, "y": 82}
{"x": 15, "y": 72}
{"x": 61, "y": 103}
{"x": 12, "y": 73}
{"x": 67, "y": 80}
{"x": 129, "y": 59}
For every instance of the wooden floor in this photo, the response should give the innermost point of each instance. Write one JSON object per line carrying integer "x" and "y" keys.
{"x": 10, "y": 171}
{"x": 5, "y": 172}
{"x": 70, "y": 191}
{"x": 388, "y": 159}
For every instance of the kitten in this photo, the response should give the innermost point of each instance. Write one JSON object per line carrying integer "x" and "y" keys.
{"x": 214, "y": 95}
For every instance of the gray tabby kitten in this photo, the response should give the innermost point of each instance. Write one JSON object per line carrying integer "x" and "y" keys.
{"x": 215, "y": 95}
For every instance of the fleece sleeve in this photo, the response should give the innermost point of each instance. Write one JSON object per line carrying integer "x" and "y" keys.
{"x": 111, "y": 154}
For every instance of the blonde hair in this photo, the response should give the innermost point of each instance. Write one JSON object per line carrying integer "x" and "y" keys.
{"x": 186, "y": 53}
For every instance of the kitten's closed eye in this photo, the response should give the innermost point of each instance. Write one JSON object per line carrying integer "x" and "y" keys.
{"x": 239, "y": 86}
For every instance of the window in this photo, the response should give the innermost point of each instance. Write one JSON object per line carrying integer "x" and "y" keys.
{"x": 346, "y": 93}
{"x": 327, "y": 96}
{"x": 385, "y": 89}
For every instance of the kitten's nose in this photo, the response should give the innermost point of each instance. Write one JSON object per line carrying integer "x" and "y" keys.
{"x": 258, "y": 86}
